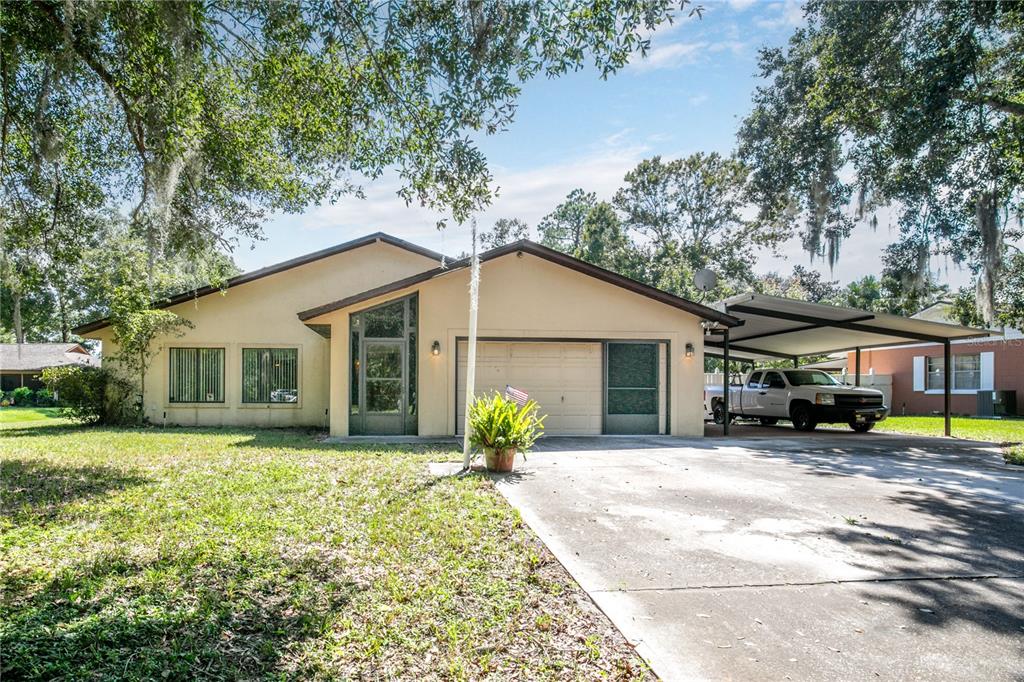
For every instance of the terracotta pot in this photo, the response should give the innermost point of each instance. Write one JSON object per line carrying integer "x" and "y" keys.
{"x": 499, "y": 459}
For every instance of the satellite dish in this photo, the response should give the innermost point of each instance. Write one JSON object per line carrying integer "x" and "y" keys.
{"x": 705, "y": 279}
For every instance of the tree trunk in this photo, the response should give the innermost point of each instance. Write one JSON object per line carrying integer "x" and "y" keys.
{"x": 19, "y": 331}
{"x": 987, "y": 222}
{"x": 62, "y": 307}
{"x": 474, "y": 303}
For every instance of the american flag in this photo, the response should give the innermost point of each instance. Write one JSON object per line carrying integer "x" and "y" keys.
{"x": 516, "y": 396}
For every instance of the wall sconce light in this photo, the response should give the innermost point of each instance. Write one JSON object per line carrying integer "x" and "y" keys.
{"x": 435, "y": 349}
{"x": 689, "y": 350}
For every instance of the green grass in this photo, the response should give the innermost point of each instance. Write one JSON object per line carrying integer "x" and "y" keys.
{"x": 971, "y": 428}
{"x": 13, "y": 415}
{"x": 226, "y": 554}
{"x": 1014, "y": 454}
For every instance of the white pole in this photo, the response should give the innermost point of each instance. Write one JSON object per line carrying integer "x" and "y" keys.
{"x": 474, "y": 302}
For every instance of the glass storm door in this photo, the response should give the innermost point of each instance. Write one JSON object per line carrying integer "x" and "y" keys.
{"x": 383, "y": 382}
{"x": 631, "y": 385}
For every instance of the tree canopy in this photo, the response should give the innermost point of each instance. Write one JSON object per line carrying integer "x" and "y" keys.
{"x": 199, "y": 118}
{"x": 220, "y": 110}
{"x": 913, "y": 108}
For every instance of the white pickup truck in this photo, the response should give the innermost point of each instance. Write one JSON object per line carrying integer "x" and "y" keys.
{"x": 806, "y": 397}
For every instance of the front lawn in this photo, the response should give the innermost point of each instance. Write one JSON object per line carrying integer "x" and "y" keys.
{"x": 12, "y": 415}
{"x": 226, "y": 554}
{"x": 971, "y": 428}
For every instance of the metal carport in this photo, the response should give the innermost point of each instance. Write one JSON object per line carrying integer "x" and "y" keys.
{"x": 790, "y": 329}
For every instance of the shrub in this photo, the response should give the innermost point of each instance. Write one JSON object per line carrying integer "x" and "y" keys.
{"x": 21, "y": 396}
{"x": 44, "y": 398}
{"x": 1014, "y": 454}
{"x": 90, "y": 394}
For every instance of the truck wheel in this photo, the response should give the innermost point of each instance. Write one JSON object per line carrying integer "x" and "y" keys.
{"x": 719, "y": 413}
{"x": 769, "y": 421}
{"x": 802, "y": 419}
{"x": 862, "y": 427}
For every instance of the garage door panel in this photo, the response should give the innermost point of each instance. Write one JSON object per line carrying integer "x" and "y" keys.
{"x": 564, "y": 378}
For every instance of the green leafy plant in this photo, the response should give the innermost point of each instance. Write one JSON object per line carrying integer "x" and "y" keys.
{"x": 21, "y": 396}
{"x": 44, "y": 398}
{"x": 500, "y": 423}
{"x": 1014, "y": 454}
{"x": 92, "y": 395}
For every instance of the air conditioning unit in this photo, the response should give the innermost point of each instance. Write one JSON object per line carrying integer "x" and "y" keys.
{"x": 997, "y": 403}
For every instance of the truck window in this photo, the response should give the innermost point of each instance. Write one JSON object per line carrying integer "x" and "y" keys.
{"x": 810, "y": 377}
{"x": 773, "y": 380}
{"x": 754, "y": 381}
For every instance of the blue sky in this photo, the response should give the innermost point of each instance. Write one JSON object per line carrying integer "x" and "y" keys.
{"x": 688, "y": 95}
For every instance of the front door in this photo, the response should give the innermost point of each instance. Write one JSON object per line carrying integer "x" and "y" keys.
{"x": 383, "y": 385}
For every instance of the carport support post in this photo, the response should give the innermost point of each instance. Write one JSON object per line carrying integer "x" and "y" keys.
{"x": 725, "y": 380}
{"x": 856, "y": 377}
{"x": 947, "y": 375}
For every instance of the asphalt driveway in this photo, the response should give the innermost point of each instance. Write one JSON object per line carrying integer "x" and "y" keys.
{"x": 877, "y": 557}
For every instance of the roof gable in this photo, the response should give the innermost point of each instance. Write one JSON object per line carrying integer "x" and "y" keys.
{"x": 534, "y": 249}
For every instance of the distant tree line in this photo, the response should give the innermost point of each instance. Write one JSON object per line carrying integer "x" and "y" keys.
{"x": 671, "y": 218}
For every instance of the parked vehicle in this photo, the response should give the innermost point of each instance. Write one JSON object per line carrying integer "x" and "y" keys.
{"x": 806, "y": 397}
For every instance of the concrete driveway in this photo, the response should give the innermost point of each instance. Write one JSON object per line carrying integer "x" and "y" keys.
{"x": 876, "y": 557}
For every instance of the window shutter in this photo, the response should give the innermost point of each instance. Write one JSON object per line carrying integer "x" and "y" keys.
{"x": 988, "y": 371}
{"x": 918, "y": 372}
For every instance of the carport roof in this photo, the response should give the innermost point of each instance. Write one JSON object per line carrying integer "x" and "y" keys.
{"x": 789, "y": 328}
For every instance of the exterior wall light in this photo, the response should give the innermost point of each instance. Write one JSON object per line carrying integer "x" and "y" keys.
{"x": 435, "y": 349}
{"x": 689, "y": 350}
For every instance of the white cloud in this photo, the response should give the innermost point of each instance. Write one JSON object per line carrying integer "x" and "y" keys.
{"x": 740, "y": 5}
{"x": 669, "y": 56}
{"x": 788, "y": 14}
{"x": 698, "y": 100}
{"x": 736, "y": 47}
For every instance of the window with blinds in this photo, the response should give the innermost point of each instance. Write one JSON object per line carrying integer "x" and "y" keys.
{"x": 270, "y": 375}
{"x": 197, "y": 375}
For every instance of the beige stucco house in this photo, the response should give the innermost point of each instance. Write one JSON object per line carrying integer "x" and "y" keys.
{"x": 369, "y": 337}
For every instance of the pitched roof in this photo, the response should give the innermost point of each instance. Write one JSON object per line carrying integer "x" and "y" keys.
{"x": 32, "y": 357}
{"x": 273, "y": 270}
{"x": 534, "y": 249}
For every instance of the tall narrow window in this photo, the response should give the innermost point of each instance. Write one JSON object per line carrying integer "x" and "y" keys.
{"x": 270, "y": 375}
{"x": 354, "y": 371}
{"x": 197, "y": 375}
{"x": 936, "y": 373}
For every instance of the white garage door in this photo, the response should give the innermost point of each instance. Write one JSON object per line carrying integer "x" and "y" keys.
{"x": 565, "y": 378}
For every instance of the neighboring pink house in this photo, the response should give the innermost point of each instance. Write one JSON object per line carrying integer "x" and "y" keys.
{"x": 992, "y": 364}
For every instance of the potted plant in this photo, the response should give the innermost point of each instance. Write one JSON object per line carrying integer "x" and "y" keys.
{"x": 501, "y": 427}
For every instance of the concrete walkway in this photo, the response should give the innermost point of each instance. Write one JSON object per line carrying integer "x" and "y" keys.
{"x": 834, "y": 558}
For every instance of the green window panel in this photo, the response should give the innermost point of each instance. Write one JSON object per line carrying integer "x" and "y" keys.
{"x": 632, "y": 401}
{"x": 632, "y": 365}
{"x": 632, "y": 379}
{"x": 385, "y": 322}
